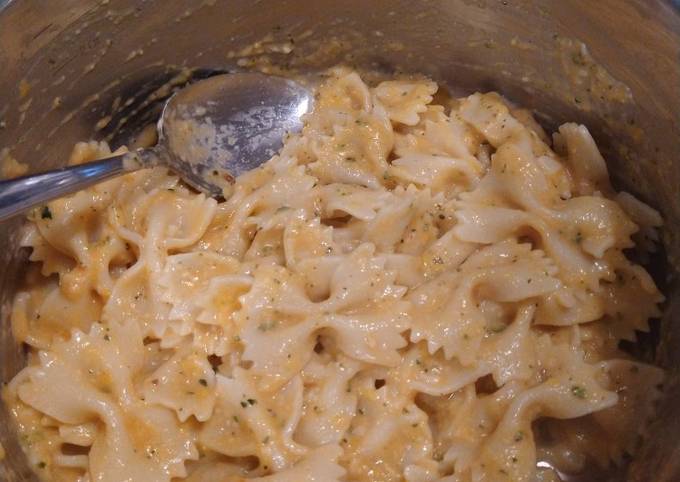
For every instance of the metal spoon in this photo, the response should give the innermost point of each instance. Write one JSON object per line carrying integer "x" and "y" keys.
{"x": 209, "y": 132}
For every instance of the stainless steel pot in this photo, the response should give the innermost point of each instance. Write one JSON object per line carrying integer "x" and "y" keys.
{"x": 70, "y": 65}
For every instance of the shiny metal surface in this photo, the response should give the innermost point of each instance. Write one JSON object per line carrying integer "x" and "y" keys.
{"x": 220, "y": 126}
{"x": 20, "y": 195}
{"x": 93, "y": 63}
{"x": 235, "y": 122}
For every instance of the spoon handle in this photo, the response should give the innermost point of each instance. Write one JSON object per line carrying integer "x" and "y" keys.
{"x": 23, "y": 193}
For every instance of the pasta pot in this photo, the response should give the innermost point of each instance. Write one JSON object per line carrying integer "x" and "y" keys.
{"x": 80, "y": 69}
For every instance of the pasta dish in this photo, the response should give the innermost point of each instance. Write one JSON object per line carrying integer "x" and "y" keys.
{"x": 415, "y": 288}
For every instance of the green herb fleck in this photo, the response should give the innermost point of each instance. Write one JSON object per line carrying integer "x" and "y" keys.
{"x": 578, "y": 391}
{"x": 46, "y": 213}
{"x": 267, "y": 325}
{"x": 519, "y": 436}
{"x": 497, "y": 328}
{"x": 203, "y": 382}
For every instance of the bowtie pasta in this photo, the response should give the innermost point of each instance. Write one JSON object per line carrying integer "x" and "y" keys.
{"x": 412, "y": 289}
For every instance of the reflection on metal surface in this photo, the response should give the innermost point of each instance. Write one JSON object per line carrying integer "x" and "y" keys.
{"x": 230, "y": 123}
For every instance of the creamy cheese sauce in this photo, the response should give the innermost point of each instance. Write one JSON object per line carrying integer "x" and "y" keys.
{"x": 412, "y": 289}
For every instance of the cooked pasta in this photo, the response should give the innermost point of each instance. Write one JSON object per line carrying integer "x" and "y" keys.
{"x": 409, "y": 290}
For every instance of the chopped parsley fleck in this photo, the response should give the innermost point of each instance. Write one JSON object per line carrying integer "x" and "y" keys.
{"x": 578, "y": 391}
{"x": 267, "y": 325}
{"x": 497, "y": 328}
{"x": 251, "y": 401}
{"x": 46, "y": 213}
{"x": 203, "y": 382}
{"x": 42, "y": 465}
{"x": 519, "y": 436}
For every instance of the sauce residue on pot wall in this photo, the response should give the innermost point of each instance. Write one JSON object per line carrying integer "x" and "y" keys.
{"x": 585, "y": 73}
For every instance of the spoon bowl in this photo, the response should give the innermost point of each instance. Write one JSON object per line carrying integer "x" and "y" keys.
{"x": 209, "y": 132}
{"x": 228, "y": 125}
